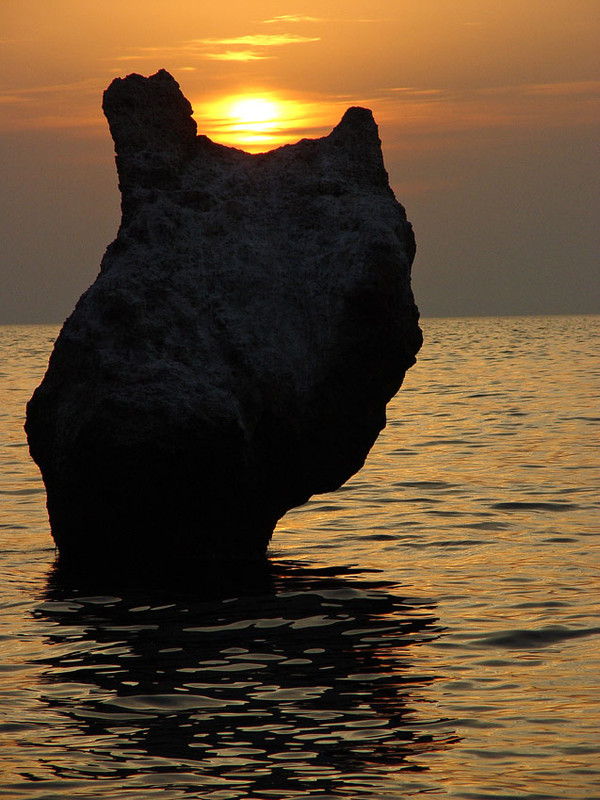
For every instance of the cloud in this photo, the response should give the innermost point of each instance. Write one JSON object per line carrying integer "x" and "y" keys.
{"x": 432, "y": 110}
{"x": 295, "y": 18}
{"x": 236, "y": 48}
{"x": 51, "y": 106}
{"x": 411, "y": 91}
{"x": 237, "y": 55}
{"x": 292, "y": 18}
{"x": 155, "y": 53}
{"x": 558, "y": 89}
{"x": 69, "y": 121}
{"x": 564, "y": 89}
{"x": 260, "y": 40}
{"x": 11, "y": 98}
{"x": 24, "y": 92}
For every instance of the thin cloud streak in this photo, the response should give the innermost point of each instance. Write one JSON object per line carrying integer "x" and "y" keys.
{"x": 564, "y": 89}
{"x": 10, "y": 98}
{"x": 436, "y": 113}
{"x": 410, "y": 91}
{"x": 39, "y": 107}
{"x": 326, "y": 20}
{"x": 72, "y": 121}
{"x": 292, "y": 18}
{"x": 237, "y": 55}
{"x": 89, "y": 84}
{"x": 207, "y": 49}
{"x": 260, "y": 40}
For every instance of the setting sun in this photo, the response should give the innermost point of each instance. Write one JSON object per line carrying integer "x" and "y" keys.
{"x": 254, "y": 122}
{"x": 257, "y": 121}
{"x": 254, "y": 111}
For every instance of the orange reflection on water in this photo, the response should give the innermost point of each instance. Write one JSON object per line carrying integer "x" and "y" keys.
{"x": 262, "y": 120}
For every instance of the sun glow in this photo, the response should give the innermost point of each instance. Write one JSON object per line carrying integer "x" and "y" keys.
{"x": 255, "y": 111}
{"x": 255, "y": 122}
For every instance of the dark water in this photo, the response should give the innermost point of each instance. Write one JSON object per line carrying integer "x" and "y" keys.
{"x": 430, "y": 629}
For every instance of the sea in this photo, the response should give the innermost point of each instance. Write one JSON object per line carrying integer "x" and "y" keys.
{"x": 430, "y": 629}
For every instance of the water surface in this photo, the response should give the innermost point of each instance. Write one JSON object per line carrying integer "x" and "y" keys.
{"x": 432, "y": 628}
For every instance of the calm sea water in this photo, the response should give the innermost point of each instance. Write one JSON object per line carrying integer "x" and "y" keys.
{"x": 430, "y": 629}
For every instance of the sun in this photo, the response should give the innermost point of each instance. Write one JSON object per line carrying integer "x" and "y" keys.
{"x": 260, "y": 119}
{"x": 252, "y": 122}
{"x": 257, "y": 112}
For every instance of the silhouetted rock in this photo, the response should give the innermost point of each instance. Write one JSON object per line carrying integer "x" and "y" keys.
{"x": 235, "y": 355}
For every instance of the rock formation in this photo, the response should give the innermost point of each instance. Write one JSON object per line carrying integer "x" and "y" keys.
{"x": 236, "y": 352}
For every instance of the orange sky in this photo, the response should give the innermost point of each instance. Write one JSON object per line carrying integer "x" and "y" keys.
{"x": 488, "y": 111}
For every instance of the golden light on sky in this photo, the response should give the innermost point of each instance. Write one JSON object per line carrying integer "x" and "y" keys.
{"x": 480, "y": 105}
{"x": 248, "y": 121}
{"x": 259, "y": 121}
{"x": 424, "y": 68}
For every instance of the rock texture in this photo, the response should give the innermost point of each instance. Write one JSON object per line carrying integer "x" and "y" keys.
{"x": 236, "y": 353}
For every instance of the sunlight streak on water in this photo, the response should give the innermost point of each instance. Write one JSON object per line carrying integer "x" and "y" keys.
{"x": 430, "y": 628}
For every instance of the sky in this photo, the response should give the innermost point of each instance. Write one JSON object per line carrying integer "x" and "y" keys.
{"x": 488, "y": 111}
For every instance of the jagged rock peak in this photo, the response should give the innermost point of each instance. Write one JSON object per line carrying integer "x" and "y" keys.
{"x": 148, "y": 113}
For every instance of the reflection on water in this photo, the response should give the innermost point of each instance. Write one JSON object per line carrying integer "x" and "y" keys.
{"x": 292, "y": 681}
{"x": 302, "y": 684}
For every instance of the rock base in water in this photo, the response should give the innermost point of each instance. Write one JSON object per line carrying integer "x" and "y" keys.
{"x": 236, "y": 353}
